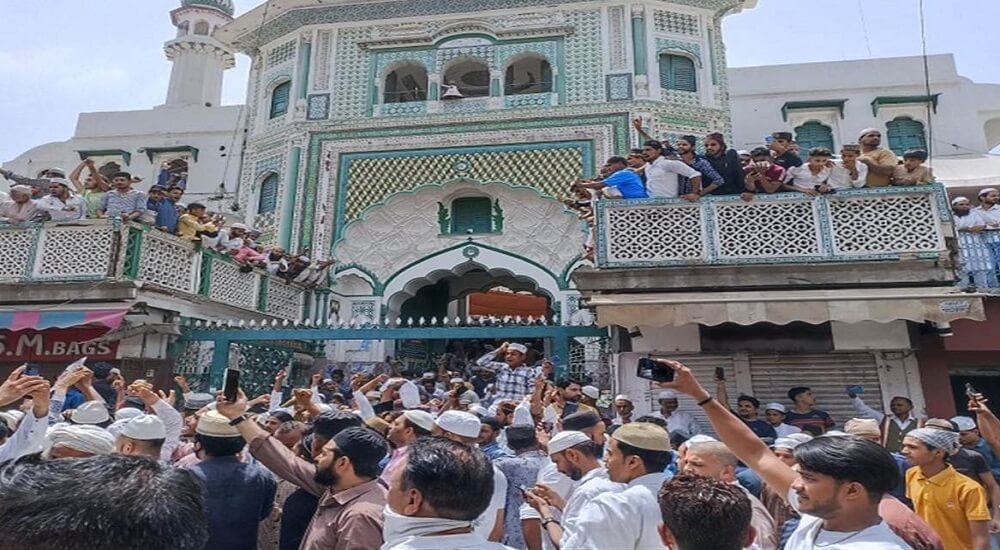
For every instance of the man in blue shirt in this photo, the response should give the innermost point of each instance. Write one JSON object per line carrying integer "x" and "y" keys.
{"x": 237, "y": 495}
{"x": 970, "y": 439}
{"x": 618, "y": 176}
{"x": 166, "y": 210}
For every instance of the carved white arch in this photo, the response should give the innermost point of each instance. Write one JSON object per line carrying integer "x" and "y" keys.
{"x": 455, "y": 262}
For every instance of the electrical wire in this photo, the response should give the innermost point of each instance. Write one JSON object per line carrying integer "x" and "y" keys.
{"x": 864, "y": 29}
{"x": 927, "y": 84}
{"x": 239, "y": 117}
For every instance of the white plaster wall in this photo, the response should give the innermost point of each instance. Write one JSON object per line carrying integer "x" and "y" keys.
{"x": 206, "y": 129}
{"x": 758, "y": 94}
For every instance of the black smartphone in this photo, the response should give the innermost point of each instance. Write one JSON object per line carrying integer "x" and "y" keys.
{"x": 232, "y": 385}
{"x": 33, "y": 369}
{"x": 720, "y": 373}
{"x": 651, "y": 369}
{"x": 970, "y": 392}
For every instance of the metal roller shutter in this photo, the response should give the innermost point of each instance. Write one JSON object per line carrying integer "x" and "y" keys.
{"x": 704, "y": 369}
{"x": 828, "y": 375}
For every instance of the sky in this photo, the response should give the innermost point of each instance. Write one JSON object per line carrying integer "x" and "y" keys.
{"x": 106, "y": 55}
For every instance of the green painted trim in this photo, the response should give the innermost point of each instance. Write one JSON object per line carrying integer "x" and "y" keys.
{"x": 340, "y": 223}
{"x": 125, "y": 155}
{"x": 150, "y": 151}
{"x": 262, "y": 294}
{"x": 305, "y": 62}
{"x": 445, "y": 230}
{"x": 133, "y": 252}
{"x": 479, "y": 245}
{"x": 564, "y": 277}
{"x": 377, "y": 285}
{"x": 620, "y": 123}
{"x": 816, "y": 104}
{"x": 639, "y": 47}
{"x": 205, "y": 274}
{"x": 288, "y": 199}
{"x": 904, "y": 99}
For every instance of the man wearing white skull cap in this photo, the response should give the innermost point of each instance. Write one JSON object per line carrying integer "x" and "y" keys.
{"x": 514, "y": 378}
{"x": 677, "y": 421}
{"x": 143, "y": 435}
{"x": 574, "y": 455}
{"x": 463, "y": 427}
{"x": 20, "y": 208}
{"x": 881, "y": 162}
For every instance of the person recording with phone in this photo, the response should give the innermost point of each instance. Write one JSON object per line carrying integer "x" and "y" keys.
{"x": 895, "y": 424}
{"x": 747, "y": 408}
{"x": 677, "y": 421}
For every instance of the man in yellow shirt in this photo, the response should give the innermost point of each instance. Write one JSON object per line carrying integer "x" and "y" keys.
{"x": 193, "y": 224}
{"x": 952, "y": 504}
{"x": 881, "y": 163}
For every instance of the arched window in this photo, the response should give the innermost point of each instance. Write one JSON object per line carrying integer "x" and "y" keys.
{"x": 528, "y": 75}
{"x": 471, "y": 76}
{"x": 279, "y": 99}
{"x": 267, "y": 200}
{"x": 678, "y": 72}
{"x": 405, "y": 84}
{"x": 814, "y": 134}
{"x": 472, "y": 215}
{"x": 182, "y": 29}
{"x": 201, "y": 27}
{"x": 905, "y": 134}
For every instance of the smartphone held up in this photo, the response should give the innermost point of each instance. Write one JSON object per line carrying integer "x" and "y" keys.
{"x": 650, "y": 369}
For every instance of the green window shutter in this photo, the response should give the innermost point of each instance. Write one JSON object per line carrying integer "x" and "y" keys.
{"x": 268, "y": 200}
{"x": 678, "y": 73}
{"x": 814, "y": 134}
{"x": 473, "y": 213}
{"x": 905, "y": 134}
{"x": 279, "y": 99}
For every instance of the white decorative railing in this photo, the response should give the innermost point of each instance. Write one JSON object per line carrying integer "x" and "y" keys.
{"x": 100, "y": 249}
{"x": 854, "y": 225}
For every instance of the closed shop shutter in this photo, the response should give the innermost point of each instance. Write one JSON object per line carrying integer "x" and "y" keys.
{"x": 704, "y": 370}
{"x": 828, "y": 375}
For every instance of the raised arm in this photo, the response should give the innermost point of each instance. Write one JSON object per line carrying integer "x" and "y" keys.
{"x": 643, "y": 135}
{"x": 733, "y": 432}
{"x": 269, "y": 451}
{"x": 989, "y": 424}
{"x": 74, "y": 177}
{"x": 863, "y": 410}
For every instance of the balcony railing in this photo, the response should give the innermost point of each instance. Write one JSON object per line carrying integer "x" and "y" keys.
{"x": 856, "y": 225}
{"x": 100, "y": 249}
{"x": 979, "y": 260}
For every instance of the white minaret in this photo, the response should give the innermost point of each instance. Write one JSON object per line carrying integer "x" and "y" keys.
{"x": 199, "y": 59}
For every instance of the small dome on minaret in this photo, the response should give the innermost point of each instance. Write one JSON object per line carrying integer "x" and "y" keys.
{"x": 225, "y": 6}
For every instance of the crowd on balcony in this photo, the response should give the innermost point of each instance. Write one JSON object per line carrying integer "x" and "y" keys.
{"x": 503, "y": 455}
{"x": 113, "y": 195}
{"x": 661, "y": 169}
{"x": 978, "y": 229}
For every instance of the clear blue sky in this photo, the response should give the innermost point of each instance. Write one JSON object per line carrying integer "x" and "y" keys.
{"x": 62, "y": 57}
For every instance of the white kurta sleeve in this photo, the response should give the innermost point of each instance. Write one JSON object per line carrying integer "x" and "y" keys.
{"x": 172, "y": 424}
{"x": 600, "y": 525}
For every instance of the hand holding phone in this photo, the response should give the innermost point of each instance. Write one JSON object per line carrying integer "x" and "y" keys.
{"x": 232, "y": 385}
{"x": 651, "y": 369}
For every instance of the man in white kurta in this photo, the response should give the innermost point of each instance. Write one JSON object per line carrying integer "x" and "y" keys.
{"x": 677, "y": 421}
{"x": 627, "y": 519}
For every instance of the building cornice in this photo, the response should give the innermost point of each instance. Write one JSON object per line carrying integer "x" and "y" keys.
{"x": 252, "y": 30}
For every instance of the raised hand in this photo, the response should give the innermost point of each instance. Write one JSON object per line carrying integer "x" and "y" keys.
{"x": 231, "y": 410}
{"x": 17, "y": 385}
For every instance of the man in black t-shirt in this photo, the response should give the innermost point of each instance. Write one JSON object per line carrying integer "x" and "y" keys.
{"x": 784, "y": 150}
{"x": 747, "y": 408}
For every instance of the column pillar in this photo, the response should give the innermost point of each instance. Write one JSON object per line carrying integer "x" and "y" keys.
{"x": 640, "y": 50}
{"x": 288, "y": 198}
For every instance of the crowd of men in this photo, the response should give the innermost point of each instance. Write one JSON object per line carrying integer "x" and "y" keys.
{"x": 661, "y": 169}
{"x": 112, "y": 195}
{"x": 978, "y": 238}
{"x": 438, "y": 461}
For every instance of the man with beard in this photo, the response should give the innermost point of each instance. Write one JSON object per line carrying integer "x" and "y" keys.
{"x": 344, "y": 476}
{"x": 711, "y": 180}
{"x": 976, "y": 259}
{"x": 574, "y": 455}
{"x": 881, "y": 162}
{"x": 726, "y": 162}
{"x": 238, "y": 496}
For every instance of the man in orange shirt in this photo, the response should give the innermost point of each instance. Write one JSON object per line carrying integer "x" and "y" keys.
{"x": 953, "y": 504}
